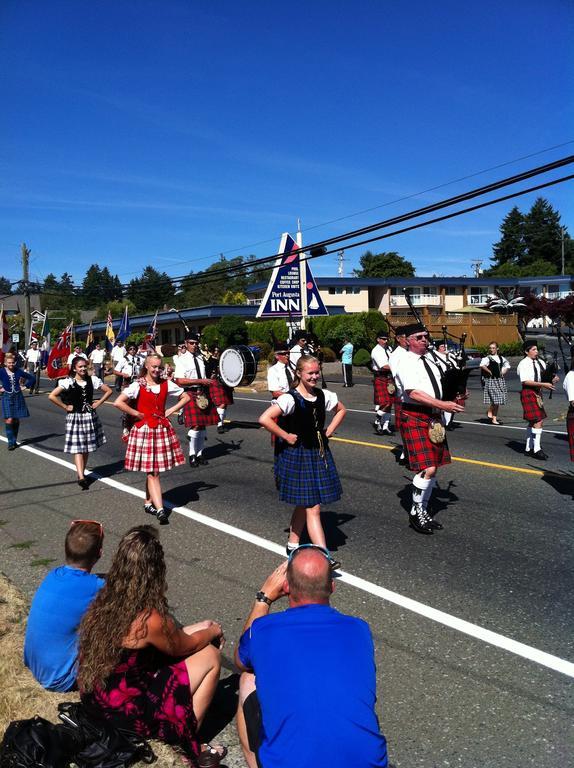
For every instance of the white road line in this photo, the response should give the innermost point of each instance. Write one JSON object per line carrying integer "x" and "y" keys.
{"x": 460, "y": 625}
{"x": 458, "y": 421}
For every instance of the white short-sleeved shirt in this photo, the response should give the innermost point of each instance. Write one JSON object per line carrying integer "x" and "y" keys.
{"x": 73, "y": 355}
{"x": 287, "y": 402}
{"x": 277, "y": 378}
{"x": 33, "y": 355}
{"x": 185, "y": 367}
{"x": 117, "y": 353}
{"x": 97, "y": 356}
{"x": 127, "y": 365}
{"x": 133, "y": 390}
{"x": 502, "y": 361}
{"x": 412, "y": 374}
{"x": 396, "y": 356}
{"x": 295, "y": 353}
{"x": 68, "y": 381}
{"x": 526, "y": 370}
{"x": 569, "y": 385}
{"x": 380, "y": 356}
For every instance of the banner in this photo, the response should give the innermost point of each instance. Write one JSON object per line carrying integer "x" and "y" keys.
{"x": 46, "y": 344}
{"x": 125, "y": 328}
{"x": 58, "y": 359}
{"x": 148, "y": 343}
{"x": 4, "y": 332}
{"x": 90, "y": 344}
{"x": 110, "y": 336}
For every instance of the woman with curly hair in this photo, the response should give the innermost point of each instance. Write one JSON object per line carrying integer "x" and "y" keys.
{"x": 137, "y": 667}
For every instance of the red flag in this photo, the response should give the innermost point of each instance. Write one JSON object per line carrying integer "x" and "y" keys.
{"x": 4, "y": 332}
{"x": 58, "y": 360}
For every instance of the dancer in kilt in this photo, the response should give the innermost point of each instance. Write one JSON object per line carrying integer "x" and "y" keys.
{"x": 421, "y": 423}
{"x": 221, "y": 395}
{"x": 200, "y": 412}
{"x": 305, "y": 472}
{"x": 13, "y": 404}
{"x": 530, "y": 370}
{"x": 84, "y": 432}
{"x": 494, "y": 368}
{"x": 383, "y": 385}
{"x": 153, "y": 446}
{"x": 569, "y": 389}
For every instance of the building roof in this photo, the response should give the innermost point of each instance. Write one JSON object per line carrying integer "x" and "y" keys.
{"x": 15, "y": 304}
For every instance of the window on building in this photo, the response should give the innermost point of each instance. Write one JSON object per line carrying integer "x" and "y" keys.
{"x": 451, "y": 290}
{"x": 332, "y": 291}
{"x": 178, "y": 334}
{"x": 166, "y": 336}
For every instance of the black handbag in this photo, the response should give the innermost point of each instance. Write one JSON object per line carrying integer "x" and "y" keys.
{"x": 37, "y": 743}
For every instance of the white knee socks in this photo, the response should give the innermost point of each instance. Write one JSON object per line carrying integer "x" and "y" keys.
{"x": 537, "y": 438}
{"x": 420, "y": 488}
{"x": 196, "y": 441}
{"x": 529, "y": 438}
{"x": 221, "y": 414}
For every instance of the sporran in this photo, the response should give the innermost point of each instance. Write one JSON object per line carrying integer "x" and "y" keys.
{"x": 437, "y": 432}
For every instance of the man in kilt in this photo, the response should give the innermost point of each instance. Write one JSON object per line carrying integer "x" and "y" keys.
{"x": 220, "y": 393}
{"x": 199, "y": 412}
{"x": 383, "y": 385}
{"x": 494, "y": 368}
{"x": 569, "y": 389}
{"x": 396, "y": 356}
{"x": 421, "y": 424}
{"x": 530, "y": 371}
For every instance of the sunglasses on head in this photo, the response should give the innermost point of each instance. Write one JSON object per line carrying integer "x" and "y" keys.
{"x": 322, "y": 550}
{"x": 89, "y": 522}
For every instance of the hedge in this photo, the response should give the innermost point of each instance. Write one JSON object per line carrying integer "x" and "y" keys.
{"x": 361, "y": 357}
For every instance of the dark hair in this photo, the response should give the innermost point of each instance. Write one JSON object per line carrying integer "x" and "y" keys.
{"x": 75, "y": 361}
{"x": 83, "y": 544}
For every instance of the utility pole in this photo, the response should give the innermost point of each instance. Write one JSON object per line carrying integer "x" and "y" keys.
{"x": 476, "y": 265}
{"x": 26, "y": 287}
{"x": 341, "y": 258}
{"x": 562, "y": 234}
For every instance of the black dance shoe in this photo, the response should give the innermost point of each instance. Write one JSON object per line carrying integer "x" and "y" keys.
{"x": 193, "y": 462}
{"x": 84, "y": 484}
{"x": 162, "y": 516}
{"x": 539, "y": 455}
{"x": 150, "y": 509}
{"x": 418, "y": 520}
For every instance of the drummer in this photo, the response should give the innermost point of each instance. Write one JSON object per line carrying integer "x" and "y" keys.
{"x": 221, "y": 393}
{"x": 280, "y": 375}
{"x": 200, "y": 412}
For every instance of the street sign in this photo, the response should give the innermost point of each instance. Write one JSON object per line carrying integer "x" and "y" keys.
{"x": 15, "y": 338}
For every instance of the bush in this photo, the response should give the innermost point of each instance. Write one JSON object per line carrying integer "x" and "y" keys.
{"x": 328, "y": 355}
{"x": 210, "y": 335}
{"x": 231, "y": 330}
{"x": 511, "y": 349}
{"x": 264, "y": 349}
{"x": 362, "y": 357}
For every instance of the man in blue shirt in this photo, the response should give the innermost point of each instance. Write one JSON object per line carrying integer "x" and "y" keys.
{"x": 51, "y": 642}
{"x": 347, "y": 362}
{"x": 314, "y": 704}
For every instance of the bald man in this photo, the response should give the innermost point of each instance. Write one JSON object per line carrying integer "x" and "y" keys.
{"x": 306, "y": 654}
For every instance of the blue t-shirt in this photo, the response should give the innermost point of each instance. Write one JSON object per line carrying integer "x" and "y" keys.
{"x": 347, "y": 354}
{"x": 51, "y": 643}
{"x": 315, "y": 676}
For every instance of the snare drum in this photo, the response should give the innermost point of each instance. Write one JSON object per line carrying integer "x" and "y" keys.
{"x": 238, "y": 366}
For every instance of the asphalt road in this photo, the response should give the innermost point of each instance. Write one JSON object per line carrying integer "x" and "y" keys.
{"x": 496, "y": 690}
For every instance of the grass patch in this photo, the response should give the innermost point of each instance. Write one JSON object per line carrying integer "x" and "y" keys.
{"x": 22, "y": 544}
{"x": 20, "y": 695}
{"x": 45, "y": 561}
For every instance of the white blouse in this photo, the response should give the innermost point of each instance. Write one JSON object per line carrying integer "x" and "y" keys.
{"x": 287, "y": 402}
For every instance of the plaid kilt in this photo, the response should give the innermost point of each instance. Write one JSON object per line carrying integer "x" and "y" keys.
{"x": 220, "y": 394}
{"x": 420, "y": 451}
{"x": 531, "y": 411}
{"x": 381, "y": 396}
{"x": 570, "y": 426}
{"x": 153, "y": 449}
{"x": 193, "y": 416}
{"x": 14, "y": 406}
{"x": 398, "y": 406}
{"x": 304, "y": 478}
{"x": 84, "y": 433}
{"x": 495, "y": 391}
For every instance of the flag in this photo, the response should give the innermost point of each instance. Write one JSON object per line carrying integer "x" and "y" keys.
{"x": 58, "y": 359}
{"x": 148, "y": 343}
{"x": 125, "y": 329}
{"x": 110, "y": 336}
{"x": 4, "y": 332}
{"x": 33, "y": 336}
{"x": 90, "y": 340}
{"x": 47, "y": 340}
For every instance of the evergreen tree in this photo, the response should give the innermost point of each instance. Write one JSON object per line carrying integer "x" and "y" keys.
{"x": 5, "y": 286}
{"x": 542, "y": 234}
{"x": 510, "y": 249}
{"x": 385, "y": 264}
{"x": 150, "y": 291}
{"x": 92, "y": 287}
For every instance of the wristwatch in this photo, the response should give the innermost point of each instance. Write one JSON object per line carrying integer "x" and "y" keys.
{"x": 261, "y": 597}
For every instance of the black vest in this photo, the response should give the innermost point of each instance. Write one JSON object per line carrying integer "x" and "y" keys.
{"x": 80, "y": 397}
{"x": 307, "y": 420}
{"x": 494, "y": 367}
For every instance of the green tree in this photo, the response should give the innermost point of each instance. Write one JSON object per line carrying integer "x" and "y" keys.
{"x": 510, "y": 249}
{"x": 117, "y": 309}
{"x": 151, "y": 291}
{"x": 59, "y": 294}
{"x": 92, "y": 287}
{"x": 5, "y": 286}
{"x": 231, "y": 330}
{"x": 542, "y": 233}
{"x": 385, "y": 264}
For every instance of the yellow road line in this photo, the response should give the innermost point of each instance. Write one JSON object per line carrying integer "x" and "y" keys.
{"x": 524, "y": 470}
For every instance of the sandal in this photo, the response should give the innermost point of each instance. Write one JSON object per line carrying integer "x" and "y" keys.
{"x": 211, "y": 755}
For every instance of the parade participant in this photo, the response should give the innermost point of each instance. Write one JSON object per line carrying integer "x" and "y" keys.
{"x": 221, "y": 395}
{"x": 346, "y": 354}
{"x": 138, "y": 667}
{"x": 280, "y": 375}
{"x": 117, "y": 354}
{"x": 569, "y": 389}
{"x": 289, "y": 658}
{"x": 494, "y": 368}
{"x": 153, "y": 446}
{"x": 84, "y": 431}
{"x": 51, "y": 642}
{"x": 13, "y": 404}
{"x": 128, "y": 370}
{"x": 383, "y": 384}
{"x": 305, "y": 472}
{"x": 422, "y": 429}
{"x": 530, "y": 371}
{"x": 181, "y": 350}
{"x": 97, "y": 356}
{"x": 77, "y": 352}
{"x": 396, "y": 356}
{"x": 445, "y": 361}
{"x": 299, "y": 348}
{"x": 34, "y": 365}
{"x": 199, "y": 411}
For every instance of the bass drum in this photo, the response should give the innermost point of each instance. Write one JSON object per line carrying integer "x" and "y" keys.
{"x": 237, "y": 366}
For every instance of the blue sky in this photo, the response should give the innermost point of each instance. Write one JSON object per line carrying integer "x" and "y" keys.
{"x": 167, "y": 132}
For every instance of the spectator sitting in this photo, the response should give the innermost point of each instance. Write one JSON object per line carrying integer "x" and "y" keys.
{"x": 51, "y": 642}
{"x": 300, "y": 657}
{"x": 137, "y": 667}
